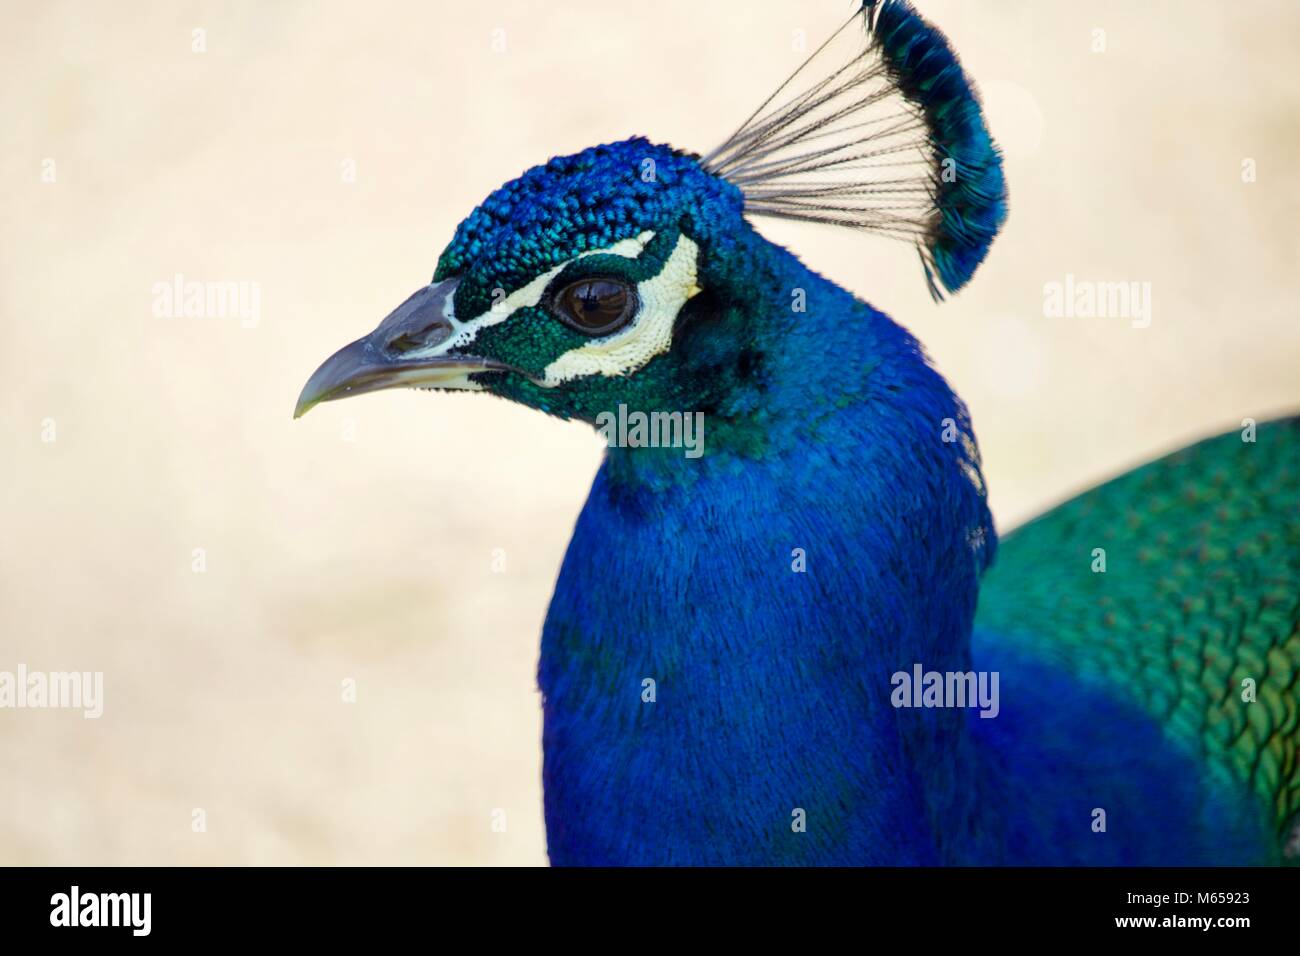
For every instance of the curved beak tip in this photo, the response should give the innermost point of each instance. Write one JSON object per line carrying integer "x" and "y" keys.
{"x": 335, "y": 377}
{"x": 354, "y": 371}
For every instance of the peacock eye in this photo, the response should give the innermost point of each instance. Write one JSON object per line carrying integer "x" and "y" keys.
{"x": 596, "y": 306}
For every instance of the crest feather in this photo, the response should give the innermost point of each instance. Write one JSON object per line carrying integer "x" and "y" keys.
{"x": 879, "y": 129}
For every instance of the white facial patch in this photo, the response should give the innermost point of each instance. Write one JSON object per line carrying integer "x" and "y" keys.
{"x": 525, "y": 297}
{"x": 650, "y": 332}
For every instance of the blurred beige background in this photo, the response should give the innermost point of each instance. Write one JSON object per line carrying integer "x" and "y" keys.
{"x": 358, "y": 543}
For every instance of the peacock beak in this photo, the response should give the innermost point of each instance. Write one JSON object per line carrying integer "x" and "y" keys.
{"x": 409, "y": 349}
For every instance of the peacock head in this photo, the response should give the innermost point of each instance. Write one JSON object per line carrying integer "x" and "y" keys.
{"x": 627, "y": 274}
{"x": 565, "y": 290}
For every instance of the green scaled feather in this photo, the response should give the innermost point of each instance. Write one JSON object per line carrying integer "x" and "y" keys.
{"x": 1200, "y": 594}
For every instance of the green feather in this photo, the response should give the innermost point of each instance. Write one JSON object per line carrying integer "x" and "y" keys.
{"x": 1201, "y": 593}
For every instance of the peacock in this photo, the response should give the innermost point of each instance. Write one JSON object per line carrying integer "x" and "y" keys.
{"x": 782, "y": 637}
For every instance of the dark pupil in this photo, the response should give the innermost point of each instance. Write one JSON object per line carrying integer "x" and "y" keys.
{"x": 597, "y": 303}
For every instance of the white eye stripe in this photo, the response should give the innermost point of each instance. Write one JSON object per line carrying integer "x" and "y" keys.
{"x": 525, "y": 297}
{"x": 651, "y": 330}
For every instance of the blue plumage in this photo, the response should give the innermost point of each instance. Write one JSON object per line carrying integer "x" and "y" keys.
{"x": 767, "y": 678}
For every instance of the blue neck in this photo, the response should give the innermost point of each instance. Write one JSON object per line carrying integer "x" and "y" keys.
{"x": 789, "y": 579}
